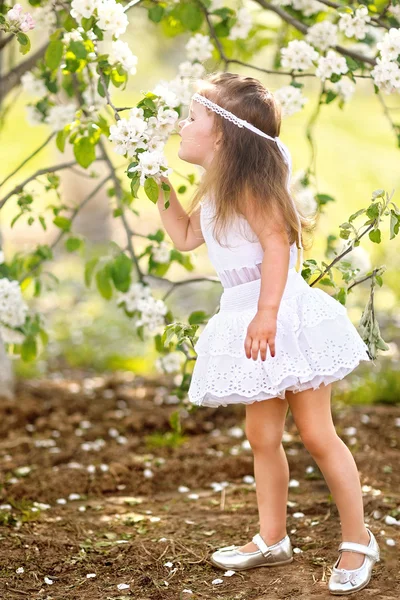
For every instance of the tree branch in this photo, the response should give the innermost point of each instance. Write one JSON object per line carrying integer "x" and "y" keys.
{"x": 26, "y": 160}
{"x": 12, "y": 78}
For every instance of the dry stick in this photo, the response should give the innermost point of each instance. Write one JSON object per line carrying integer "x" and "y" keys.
{"x": 26, "y": 160}
{"x": 62, "y": 233}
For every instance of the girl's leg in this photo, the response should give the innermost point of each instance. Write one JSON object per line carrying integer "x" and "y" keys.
{"x": 265, "y": 422}
{"x": 311, "y": 410}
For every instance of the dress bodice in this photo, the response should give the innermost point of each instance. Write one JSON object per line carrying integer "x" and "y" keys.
{"x": 239, "y": 259}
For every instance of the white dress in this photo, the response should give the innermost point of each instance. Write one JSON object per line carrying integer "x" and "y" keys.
{"x": 315, "y": 343}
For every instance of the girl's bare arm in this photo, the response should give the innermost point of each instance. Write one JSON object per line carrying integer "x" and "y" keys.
{"x": 184, "y": 231}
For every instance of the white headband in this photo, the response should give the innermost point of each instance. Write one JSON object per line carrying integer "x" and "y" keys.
{"x": 283, "y": 149}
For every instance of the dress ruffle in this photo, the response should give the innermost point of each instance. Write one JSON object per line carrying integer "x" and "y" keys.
{"x": 315, "y": 344}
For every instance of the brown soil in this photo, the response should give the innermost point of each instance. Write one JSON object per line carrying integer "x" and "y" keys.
{"x": 133, "y": 524}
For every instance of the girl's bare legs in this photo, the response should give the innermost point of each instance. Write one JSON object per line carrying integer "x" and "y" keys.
{"x": 311, "y": 410}
{"x": 265, "y": 422}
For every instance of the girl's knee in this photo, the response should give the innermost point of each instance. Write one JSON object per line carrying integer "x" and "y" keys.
{"x": 318, "y": 443}
{"x": 262, "y": 438}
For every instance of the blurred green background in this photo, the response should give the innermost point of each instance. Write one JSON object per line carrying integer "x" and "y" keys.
{"x": 356, "y": 154}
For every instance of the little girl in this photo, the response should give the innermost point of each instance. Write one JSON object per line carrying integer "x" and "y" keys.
{"x": 275, "y": 342}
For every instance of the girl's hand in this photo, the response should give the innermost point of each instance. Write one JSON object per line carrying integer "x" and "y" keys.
{"x": 261, "y": 333}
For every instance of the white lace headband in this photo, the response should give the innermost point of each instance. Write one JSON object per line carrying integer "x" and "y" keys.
{"x": 283, "y": 149}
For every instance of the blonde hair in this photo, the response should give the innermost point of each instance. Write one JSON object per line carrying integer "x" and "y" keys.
{"x": 247, "y": 166}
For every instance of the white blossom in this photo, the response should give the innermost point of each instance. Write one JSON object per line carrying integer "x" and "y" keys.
{"x": 358, "y": 259}
{"x": 72, "y": 36}
{"x": 161, "y": 253}
{"x": 150, "y": 163}
{"x": 128, "y": 134}
{"x": 170, "y": 363}
{"x": 2, "y": 258}
{"x": 60, "y": 115}
{"x": 355, "y": 25}
{"x": 322, "y": 35}
{"x": 307, "y": 7}
{"x": 386, "y": 75}
{"x": 121, "y": 53}
{"x": 345, "y": 88}
{"x": 389, "y": 47}
{"x": 199, "y": 47}
{"x": 191, "y": 69}
{"x": 241, "y": 28}
{"x": 33, "y": 85}
{"x": 33, "y": 116}
{"x": 331, "y": 64}
{"x": 298, "y": 55}
{"x": 83, "y": 9}
{"x": 46, "y": 17}
{"x": 13, "y": 310}
{"x": 291, "y": 99}
{"x": 139, "y": 297}
{"x": 216, "y": 4}
{"x": 111, "y": 18}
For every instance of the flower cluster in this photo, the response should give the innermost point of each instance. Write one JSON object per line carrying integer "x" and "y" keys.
{"x": 46, "y": 17}
{"x": 291, "y": 99}
{"x": 355, "y": 25}
{"x": 298, "y": 55}
{"x": 242, "y": 27}
{"x": 322, "y": 35}
{"x": 199, "y": 47}
{"x": 161, "y": 253}
{"x": 18, "y": 20}
{"x": 304, "y": 194}
{"x": 170, "y": 363}
{"x": 345, "y": 88}
{"x": 307, "y": 7}
{"x": 32, "y": 85}
{"x": 110, "y": 15}
{"x": 386, "y": 73}
{"x": 139, "y": 298}
{"x": 121, "y": 53}
{"x": 13, "y": 310}
{"x": 60, "y": 115}
{"x": 331, "y": 64}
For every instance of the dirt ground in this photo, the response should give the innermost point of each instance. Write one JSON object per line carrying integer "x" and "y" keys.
{"x": 130, "y": 523}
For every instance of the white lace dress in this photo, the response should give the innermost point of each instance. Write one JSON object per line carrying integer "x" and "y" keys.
{"x": 316, "y": 343}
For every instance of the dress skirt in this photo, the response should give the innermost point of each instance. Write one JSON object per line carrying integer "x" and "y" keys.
{"x": 315, "y": 344}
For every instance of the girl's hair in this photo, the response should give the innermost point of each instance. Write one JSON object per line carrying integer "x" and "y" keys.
{"x": 246, "y": 164}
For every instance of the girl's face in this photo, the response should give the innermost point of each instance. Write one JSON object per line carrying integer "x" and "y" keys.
{"x": 198, "y": 143}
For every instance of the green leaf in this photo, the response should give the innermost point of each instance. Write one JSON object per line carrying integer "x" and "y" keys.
{"x": 104, "y": 283}
{"x": 375, "y": 236}
{"x": 324, "y": 199}
{"x": 89, "y": 270}
{"x": 190, "y": 16}
{"x": 394, "y": 224}
{"x": 61, "y": 138}
{"x": 78, "y": 48}
{"x": 84, "y": 152}
{"x": 73, "y": 243}
{"x": 156, "y": 13}
{"x": 63, "y": 223}
{"x": 28, "y": 349}
{"x": 151, "y": 189}
{"x": 54, "y": 54}
{"x": 43, "y": 222}
{"x": 197, "y": 317}
{"x": 121, "y": 272}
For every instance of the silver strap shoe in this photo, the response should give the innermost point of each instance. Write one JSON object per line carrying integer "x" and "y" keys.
{"x": 347, "y": 581}
{"x": 230, "y": 557}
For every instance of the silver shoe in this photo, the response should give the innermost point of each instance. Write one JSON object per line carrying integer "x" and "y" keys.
{"x": 230, "y": 557}
{"x": 346, "y": 581}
